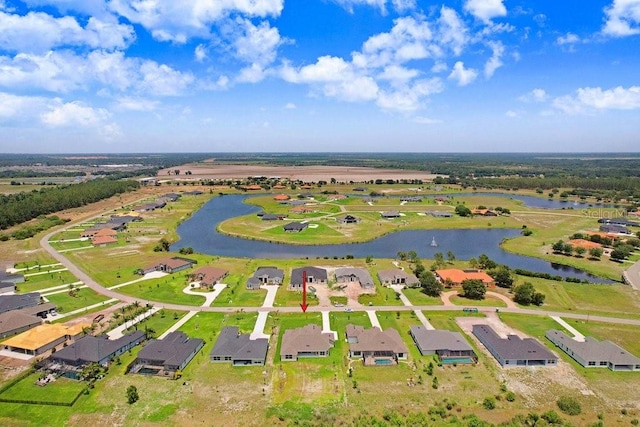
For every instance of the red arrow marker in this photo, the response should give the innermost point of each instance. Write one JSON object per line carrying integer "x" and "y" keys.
{"x": 304, "y": 291}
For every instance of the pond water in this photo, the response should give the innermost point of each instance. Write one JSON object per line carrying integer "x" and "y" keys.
{"x": 199, "y": 232}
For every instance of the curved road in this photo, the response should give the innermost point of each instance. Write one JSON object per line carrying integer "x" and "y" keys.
{"x": 87, "y": 280}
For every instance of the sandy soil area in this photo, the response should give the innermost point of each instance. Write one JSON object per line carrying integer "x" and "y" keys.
{"x": 302, "y": 173}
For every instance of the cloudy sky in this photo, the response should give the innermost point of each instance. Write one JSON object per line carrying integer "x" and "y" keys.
{"x": 319, "y": 75}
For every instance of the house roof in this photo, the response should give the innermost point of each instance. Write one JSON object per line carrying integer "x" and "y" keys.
{"x": 457, "y": 276}
{"x": 390, "y": 214}
{"x": 316, "y": 272}
{"x": 443, "y": 214}
{"x": 582, "y": 243}
{"x": 592, "y": 349}
{"x": 295, "y": 226}
{"x": 209, "y": 275}
{"x": 373, "y": 339}
{"x": 239, "y": 346}
{"x": 172, "y": 263}
{"x": 44, "y": 334}
{"x": 281, "y": 197}
{"x": 103, "y": 240}
{"x": 513, "y": 347}
{"x": 396, "y": 273}
{"x": 89, "y": 349}
{"x": 173, "y": 350}
{"x": 7, "y": 285}
{"x": 15, "y": 320}
{"x": 40, "y": 308}
{"x": 309, "y": 338}
{"x": 433, "y": 340}
{"x": 271, "y": 272}
{"x": 361, "y": 274}
{"x": 105, "y": 232}
{"x": 15, "y": 302}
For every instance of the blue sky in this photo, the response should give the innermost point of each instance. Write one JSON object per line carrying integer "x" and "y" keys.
{"x": 319, "y": 75}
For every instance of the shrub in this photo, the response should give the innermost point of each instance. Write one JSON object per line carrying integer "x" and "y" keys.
{"x": 510, "y": 396}
{"x": 489, "y": 403}
{"x": 569, "y": 405}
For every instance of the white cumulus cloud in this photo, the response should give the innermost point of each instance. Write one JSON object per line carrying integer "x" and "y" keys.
{"x": 495, "y": 61}
{"x": 622, "y": 18}
{"x": 568, "y": 38}
{"x": 463, "y": 76}
{"x": 536, "y": 95}
{"x": 485, "y": 10}
{"x": 590, "y": 99}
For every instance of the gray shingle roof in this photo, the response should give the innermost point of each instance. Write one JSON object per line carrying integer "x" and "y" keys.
{"x": 439, "y": 340}
{"x": 361, "y": 274}
{"x": 90, "y": 349}
{"x": 593, "y": 350}
{"x": 309, "y": 338}
{"x": 239, "y": 346}
{"x": 319, "y": 274}
{"x": 513, "y": 347}
{"x": 373, "y": 339}
{"x": 173, "y": 350}
{"x": 392, "y": 275}
{"x": 15, "y": 320}
{"x": 16, "y": 302}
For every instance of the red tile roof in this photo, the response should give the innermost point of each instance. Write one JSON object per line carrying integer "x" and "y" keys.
{"x": 457, "y": 276}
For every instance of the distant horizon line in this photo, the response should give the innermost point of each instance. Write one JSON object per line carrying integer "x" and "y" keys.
{"x": 96, "y": 153}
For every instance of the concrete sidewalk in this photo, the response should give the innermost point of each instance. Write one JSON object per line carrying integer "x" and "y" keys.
{"x": 119, "y": 331}
{"x": 576, "y": 335}
{"x": 326, "y": 327}
{"x": 373, "y": 318}
{"x": 179, "y": 323}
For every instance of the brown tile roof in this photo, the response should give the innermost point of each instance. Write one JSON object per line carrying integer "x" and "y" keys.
{"x": 309, "y": 338}
{"x": 281, "y": 197}
{"x": 105, "y": 232}
{"x": 373, "y": 339}
{"x": 209, "y": 275}
{"x": 103, "y": 240}
{"x": 457, "y": 276}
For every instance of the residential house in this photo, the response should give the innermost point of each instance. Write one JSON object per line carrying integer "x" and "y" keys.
{"x": 619, "y": 221}
{"x": 592, "y": 353}
{"x": 15, "y": 322}
{"x": 395, "y": 276}
{"x": 17, "y": 302}
{"x": 308, "y": 341}
{"x": 239, "y": 349}
{"x": 484, "y": 212}
{"x": 361, "y": 189}
{"x": 281, "y": 198}
{"x": 334, "y": 197}
{"x": 7, "y": 288}
{"x": 411, "y": 199}
{"x": 295, "y": 227}
{"x": 103, "y": 240}
{"x": 171, "y": 197}
{"x": 303, "y": 209}
{"x": 514, "y": 351}
{"x": 41, "y": 310}
{"x": 265, "y": 276}
{"x": 450, "y": 347}
{"x": 273, "y": 217}
{"x": 170, "y": 265}
{"x": 585, "y": 244}
{"x": 314, "y": 275}
{"x": 167, "y": 356}
{"x": 614, "y": 229}
{"x": 43, "y": 337}
{"x": 297, "y": 202}
{"x": 390, "y": 214}
{"x": 374, "y": 346}
{"x": 348, "y": 219}
{"x": 70, "y": 360}
{"x": 208, "y": 276}
{"x": 455, "y": 276}
{"x": 439, "y": 214}
{"x": 350, "y": 274}
{"x": 193, "y": 193}
{"x": 14, "y": 278}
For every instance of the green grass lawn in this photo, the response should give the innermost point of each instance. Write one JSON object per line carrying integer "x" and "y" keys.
{"x": 287, "y": 298}
{"x": 383, "y": 296}
{"x": 159, "y": 321}
{"x": 417, "y": 297}
{"x": 75, "y": 244}
{"x": 47, "y": 280}
{"x": 236, "y": 293}
{"x": 62, "y": 390}
{"x": 83, "y": 297}
{"x": 165, "y": 289}
{"x": 488, "y": 301}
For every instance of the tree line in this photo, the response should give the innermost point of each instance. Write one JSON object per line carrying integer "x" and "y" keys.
{"x": 22, "y": 207}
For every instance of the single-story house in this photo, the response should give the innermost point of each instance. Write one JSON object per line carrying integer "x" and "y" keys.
{"x": 390, "y": 214}
{"x": 193, "y": 193}
{"x": 348, "y": 219}
{"x": 439, "y": 214}
{"x": 513, "y": 351}
{"x": 395, "y": 276}
{"x": 172, "y": 197}
{"x": 265, "y": 276}
{"x": 350, "y": 274}
{"x": 619, "y": 221}
{"x": 16, "y": 302}
{"x": 314, "y": 275}
{"x": 592, "y": 353}
{"x": 14, "y": 278}
{"x": 273, "y": 217}
{"x": 15, "y": 322}
{"x": 43, "y": 337}
{"x": 239, "y": 349}
{"x": 484, "y": 212}
{"x": 375, "y": 347}
{"x": 281, "y": 198}
{"x": 253, "y": 187}
{"x": 126, "y": 218}
{"x": 166, "y": 356}
{"x": 614, "y": 228}
{"x": 303, "y": 209}
{"x": 337, "y": 197}
{"x": 40, "y": 310}
{"x": 411, "y": 199}
{"x": 208, "y": 276}
{"x": 103, "y": 240}
{"x": 70, "y": 360}
{"x": 170, "y": 265}
{"x": 456, "y": 276}
{"x": 360, "y": 189}
{"x": 295, "y": 227}
{"x": 308, "y": 341}
{"x": 450, "y": 346}
{"x": 297, "y": 202}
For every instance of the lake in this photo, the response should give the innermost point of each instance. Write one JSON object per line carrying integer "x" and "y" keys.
{"x": 199, "y": 232}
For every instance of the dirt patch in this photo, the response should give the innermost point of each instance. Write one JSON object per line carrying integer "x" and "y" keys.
{"x": 294, "y": 173}
{"x": 103, "y": 324}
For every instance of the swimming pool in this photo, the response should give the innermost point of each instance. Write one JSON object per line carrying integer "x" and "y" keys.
{"x": 455, "y": 360}
{"x": 383, "y": 362}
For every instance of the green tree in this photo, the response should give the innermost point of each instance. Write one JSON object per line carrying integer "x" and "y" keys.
{"x": 438, "y": 259}
{"x": 462, "y": 210}
{"x": 486, "y": 263}
{"x": 402, "y": 255}
{"x": 132, "y": 394}
{"x": 595, "y": 253}
{"x": 473, "y": 289}
{"x": 451, "y": 257}
{"x": 412, "y": 256}
{"x": 580, "y": 251}
{"x": 569, "y": 405}
{"x": 502, "y": 276}
{"x": 430, "y": 285}
{"x": 558, "y": 246}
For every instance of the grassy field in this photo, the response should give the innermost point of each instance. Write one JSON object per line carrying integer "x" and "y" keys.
{"x": 165, "y": 289}
{"x": 488, "y": 301}
{"x": 62, "y": 390}
{"x": 46, "y": 280}
{"x": 82, "y": 298}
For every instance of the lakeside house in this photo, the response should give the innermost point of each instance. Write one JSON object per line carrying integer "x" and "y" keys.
{"x": 395, "y": 276}
{"x": 314, "y": 275}
{"x": 166, "y": 357}
{"x": 265, "y": 276}
{"x": 208, "y": 276}
{"x": 295, "y": 227}
{"x": 169, "y": 265}
{"x": 352, "y": 274}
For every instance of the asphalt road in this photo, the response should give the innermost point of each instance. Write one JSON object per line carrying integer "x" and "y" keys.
{"x": 87, "y": 280}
